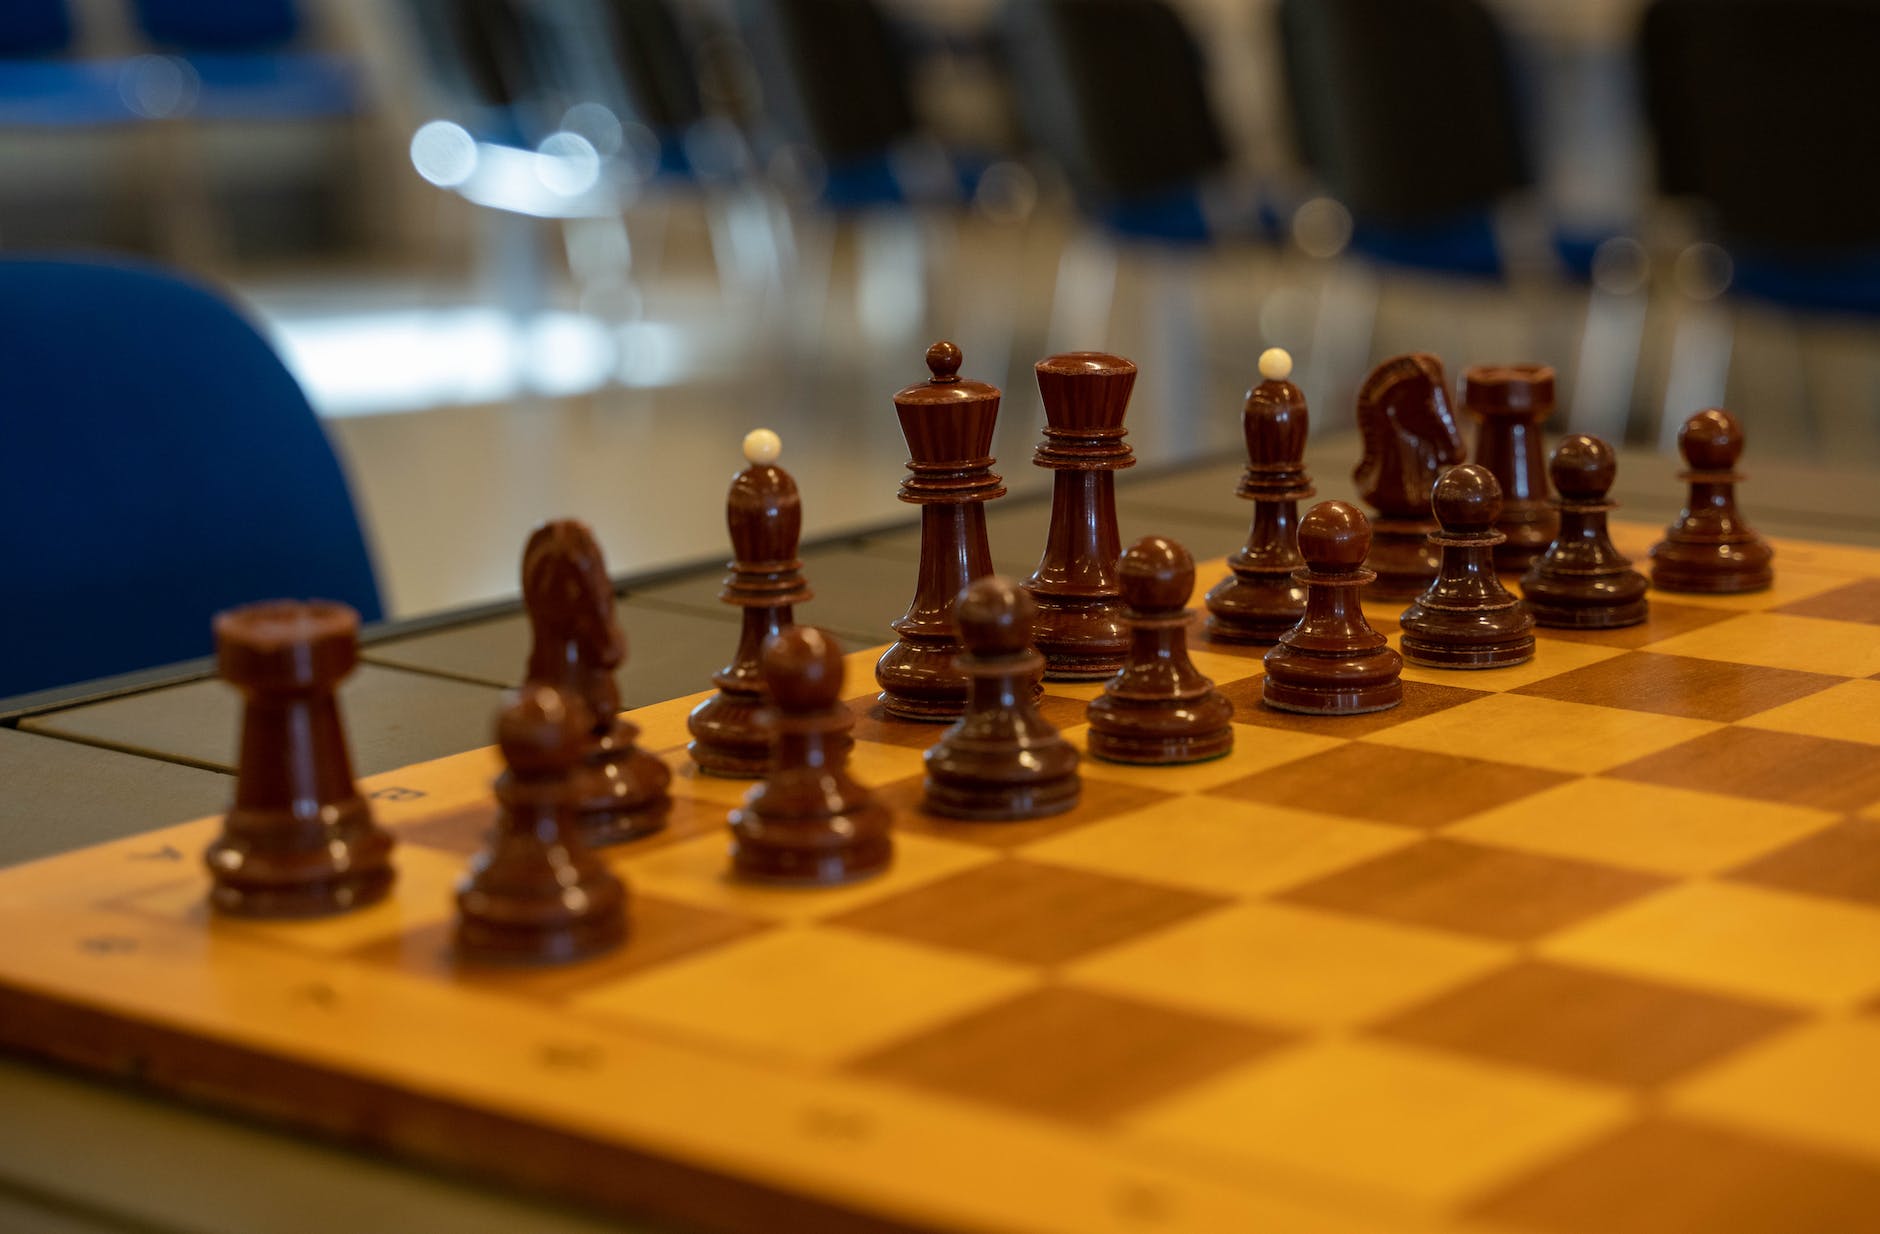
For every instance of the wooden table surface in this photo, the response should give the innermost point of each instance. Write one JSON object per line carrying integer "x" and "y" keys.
{"x": 101, "y": 764}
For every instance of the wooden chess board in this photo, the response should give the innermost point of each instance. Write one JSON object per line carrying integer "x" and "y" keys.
{"x": 1586, "y": 945}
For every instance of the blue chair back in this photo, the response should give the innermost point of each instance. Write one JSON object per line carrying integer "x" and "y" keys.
{"x": 219, "y": 25}
{"x": 157, "y": 463}
{"x": 34, "y": 28}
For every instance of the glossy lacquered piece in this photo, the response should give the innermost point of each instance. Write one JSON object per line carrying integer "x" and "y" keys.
{"x": 765, "y": 515}
{"x": 1467, "y": 619}
{"x": 1409, "y": 436}
{"x": 1509, "y": 403}
{"x": 299, "y": 840}
{"x": 1080, "y": 630}
{"x": 1260, "y": 599}
{"x": 1159, "y": 708}
{"x": 1582, "y": 582}
{"x": 1710, "y": 548}
{"x": 1333, "y": 662}
{"x": 948, "y": 424}
{"x": 576, "y": 646}
{"x": 536, "y": 894}
{"x": 809, "y": 823}
{"x": 1002, "y": 760}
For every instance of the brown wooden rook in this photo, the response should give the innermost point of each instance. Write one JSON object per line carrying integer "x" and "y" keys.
{"x": 1467, "y": 619}
{"x": 809, "y": 822}
{"x": 1001, "y": 760}
{"x": 1159, "y": 709}
{"x": 1333, "y": 662}
{"x": 1260, "y": 600}
{"x": 765, "y": 516}
{"x": 1409, "y": 436}
{"x": 577, "y": 646}
{"x": 1710, "y": 548}
{"x": 1509, "y": 403}
{"x": 1080, "y": 626}
{"x": 299, "y": 840}
{"x": 948, "y": 424}
{"x": 1582, "y": 581}
{"x": 536, "y": 893}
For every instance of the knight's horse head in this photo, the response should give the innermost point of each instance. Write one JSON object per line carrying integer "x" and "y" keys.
{"x": 1409, "y": 434}
{"x": 577, "y": 643}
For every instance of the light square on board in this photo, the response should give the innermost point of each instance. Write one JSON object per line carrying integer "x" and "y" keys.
{"x": 1663, "y": 618}
{"x": 1643, "y": 826}
{"x": 662, "y": 725}
{"x": 1747, "y": 940}
{"x": 1849, "y": 710}
{"x": 1818, "y": 1085}
{"x": 1766, "y": 765}
{"x": 699, "y": 872}
{"x": 1220, "y": 846}
{"x": 807, "y": 994}
{"x": 1792, "y": 582}
{"x": 1681, "y": 686}
{"x": 1419, "y": 699}
{"x": 1026, "y": 912}
{"x": 1587, "y": 1024}
{"x": 1098, "y": 799}
{"x": 1255, "y": 749}
{"x": 1543, "y": 732}
{"x": 1842, "y": 861}
{"x": 1551, "y": 658}
{"x": 1855, "y": 602}
{"x": 1068, "y": 1053}
{"x": 1777, "y": 640}
{"x": 1279, "y": 965}
{"x": 1372, "y": 1116}
{"x": 1494, "y": 893}
{"x": 659, "y": 931}
{"x": 1410, "y": 788}
{"x": 1660, "y": 1175}
{"x": 423, "y": 892}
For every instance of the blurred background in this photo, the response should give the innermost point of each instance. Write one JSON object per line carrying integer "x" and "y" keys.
{"x": 533, "y": 258}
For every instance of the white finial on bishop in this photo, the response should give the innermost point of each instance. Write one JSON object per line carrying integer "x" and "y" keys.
{"x": 761, "y": 446}
{"x": 1275, "y": 364}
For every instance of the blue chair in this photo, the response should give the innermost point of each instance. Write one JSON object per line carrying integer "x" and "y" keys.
{"x": 41, "y": 84}
{"x": 245, "y": 62}
{"x": 157, "y": 463}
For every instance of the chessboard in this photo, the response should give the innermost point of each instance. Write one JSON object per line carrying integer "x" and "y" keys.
{"x": 1591, "y": 944}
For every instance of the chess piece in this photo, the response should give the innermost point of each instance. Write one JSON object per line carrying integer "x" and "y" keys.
{"x": 1582, "y": 581}
{"x": 1710, "y": 548}
{"x": 1159, "y": 708}
{"x": 809, "y": 822}
{"x": 299, "y": 840}
{"x": 536, "y": 893}
{"x": 1409, "y": 436}
{"x": 1260, "y": 600}
{"x": 765, "y": 517}
{"x": 576, "y": 647}
{"x": 1001, "y": 760}
{"x": 1509, "y": 403}
{"x": 1080, "y": 628}
{"x": 1333, "y": 663}
{"x": 948, "y": 424}
{"x": 1466, "y": 618}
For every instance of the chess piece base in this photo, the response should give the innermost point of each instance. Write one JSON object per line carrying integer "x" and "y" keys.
{"x": 918, "y": 680}
{"x": 1158, "y": 734}
{"x": 982, "y": 803}
{"x": 810, "y": 856}
{"x": 1318, "y": 700}
{"x": 623, "y": 790}
{"x": 727, "y": 740}
{"x": 305, "y": 880}
{"x": 1712, "y": 569}
{"x": 526, "y": 929}
{"x": 1243, "y": 612}
{"x": 1433, "y": 654}
{"x": 1080, "y": 639}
